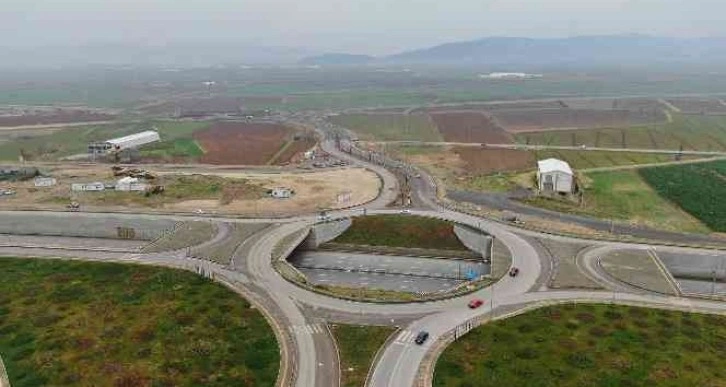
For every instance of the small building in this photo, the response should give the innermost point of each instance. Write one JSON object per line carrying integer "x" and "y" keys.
{"x": 41, "y": 181}
{"x": 554, "y": 175}
{"x": 130, "y": 184}
{"x": 83, "y": 187}
{"x": 281, "y": 193}
{"x": 127, "y": 142}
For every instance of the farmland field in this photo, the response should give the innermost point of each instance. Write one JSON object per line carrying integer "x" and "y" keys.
{"x": 496, "y": 106}
{"x": 78, "y": 323}
{"x": 552, "y": 119}
{"x": 54, "y": 117}
{"x": 390, "y": 127}
{"x": 589, "y": 345}
{"x": 632, "y": 104}
{"x": 243, "y": 143}
{"x": 699, "y": 105}
{"x": 624, "y": 195}
{"x": 601, "y": 159}
{"x": 692, "y": 132}
{"x": 401, "y": 231}
{"x": 470, "y": 127}
{"x": 699, "y": 189}
{"x": 487, "y": 161}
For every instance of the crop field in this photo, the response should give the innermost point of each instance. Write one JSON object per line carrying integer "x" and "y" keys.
{"x": 390, "y": 127}
{"x": 54, "y": 117}
{"x": 78, "y": 323}
{"x": 691, "y": 132}
{"x": 401, "y": 231}
{"x": 632, "y": 104}
{"x": 243, "y": 143}
{"x": 699, "y": 106}
{"x": 470, "y": 127}
{"x": 699, "y": 189}
{"x": 497, "y": 106}
{"x": 602, "y": 159}
{"x": 487, "y": 161}
{"x": 624, "y": 195}
{"x": 551, "y": 119}
{"x": 589, "y": 345}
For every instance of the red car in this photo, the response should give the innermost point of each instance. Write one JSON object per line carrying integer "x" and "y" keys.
{"x": 475, "y": 303}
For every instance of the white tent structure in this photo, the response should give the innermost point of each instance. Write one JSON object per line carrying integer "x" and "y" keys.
{"x": 134, "y": 140}
{"x": 555, "y": 175}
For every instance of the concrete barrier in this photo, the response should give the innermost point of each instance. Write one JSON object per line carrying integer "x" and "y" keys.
{"x": 68, "y": 225}
{"x": 326, "y": 232}
{"x": 474, "y": 240}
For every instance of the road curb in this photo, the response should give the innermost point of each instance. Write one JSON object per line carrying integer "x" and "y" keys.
{"x": 4, "y": 379}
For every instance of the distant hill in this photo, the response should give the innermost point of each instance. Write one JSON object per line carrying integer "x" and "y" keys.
{"x": 578, "y": 51}
{"x": 585, "y": 51}
{"x": 337, "y": 59}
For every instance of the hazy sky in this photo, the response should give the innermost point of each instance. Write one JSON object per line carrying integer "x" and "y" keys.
{"x": 364, "y": 26}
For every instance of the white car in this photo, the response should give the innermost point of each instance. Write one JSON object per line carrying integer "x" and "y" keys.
{"x": 405, "y": 211}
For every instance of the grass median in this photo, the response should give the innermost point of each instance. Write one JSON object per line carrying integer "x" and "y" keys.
{"x": 78, "y": 323}
{"x": 358, "y": 346}
{"x": 589, "y": 345}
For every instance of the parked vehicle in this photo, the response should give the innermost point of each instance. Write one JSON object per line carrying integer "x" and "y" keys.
{"x": 405, "y": 211}
{"x": 513, "y": 272}
{"x": 475, "y": 303}
{"x": 421, "y": 337}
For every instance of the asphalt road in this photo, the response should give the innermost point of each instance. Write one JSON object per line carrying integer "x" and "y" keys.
{"x": 314, "y": 358}
{"x": 395, "y": 282}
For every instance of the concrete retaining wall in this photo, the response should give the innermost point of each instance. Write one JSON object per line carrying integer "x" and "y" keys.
{"x": 706, "y": 267}
{"x": 326, "y": 232}
{"x": 70, "y": 225}
{"x": 474, "y": 240}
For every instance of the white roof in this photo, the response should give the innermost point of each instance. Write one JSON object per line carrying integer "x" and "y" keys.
{"x": 133, "y": 137}
{"x": 128, "y": 180}
{"x": 553, "y": 165}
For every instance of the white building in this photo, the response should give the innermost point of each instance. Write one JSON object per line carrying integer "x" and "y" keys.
{"x": 44, "y": 181}
{"x": 88, "y": 186}
{"x": 130, "y": 184}
{"x": 554, "y": 175}
{"x": 510, "y": 76}
{"x": 134, "y": 140}
{"x": 281, "y": 193}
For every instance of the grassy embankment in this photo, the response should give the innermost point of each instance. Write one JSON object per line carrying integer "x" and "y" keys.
{"x": 76, "y": 323}
{"x": 589, "y": 345}
{"x": 358, "y": 346}
{"x": 401, "y": 231}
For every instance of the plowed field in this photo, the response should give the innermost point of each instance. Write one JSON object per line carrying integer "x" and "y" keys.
{"x": 552, "y": 119}
{"x": 485, "y": 161}
{"x": 699, "y": 106}
{"x": 470, "y": 127}
{"x": 60, "y": 117}
{"x": 242, "y": 143}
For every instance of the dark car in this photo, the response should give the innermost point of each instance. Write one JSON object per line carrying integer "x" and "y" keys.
{"x": 421, "y": 337}
{"x": 513, "y": 272}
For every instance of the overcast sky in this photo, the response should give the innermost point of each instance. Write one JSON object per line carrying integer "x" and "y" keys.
{"x": 362, "y": 26}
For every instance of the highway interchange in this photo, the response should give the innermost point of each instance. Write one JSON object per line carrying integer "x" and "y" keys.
{"x": 300, "y": 316}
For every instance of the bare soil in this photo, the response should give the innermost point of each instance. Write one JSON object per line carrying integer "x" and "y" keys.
{"x": 549, "y": 119}
{"x": 242, "y": 143}
{"x": 486, "y": 161}
{"x": 58, "y": 116}
{"x": 470, "y": 127}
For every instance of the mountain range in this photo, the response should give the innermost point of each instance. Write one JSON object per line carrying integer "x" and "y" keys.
{"x": 506, "y": 52}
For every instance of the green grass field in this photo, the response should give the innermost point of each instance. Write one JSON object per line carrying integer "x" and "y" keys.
{"x": 692, "y": 132}
{"x": 390, "y": 127}
{"x": 699, "y": 189}
{"x": 625, "y": 196}
{"x": 358, "y": 346}
{"x": 176, "y": 141}
{"x": 597, "y": 159}
{"x": 589, "y": 345}
{"x": 76, "y": 323}
{"x": 401, "y": 231}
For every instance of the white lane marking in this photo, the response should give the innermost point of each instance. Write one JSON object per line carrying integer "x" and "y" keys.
{"x": 311, "y": 329}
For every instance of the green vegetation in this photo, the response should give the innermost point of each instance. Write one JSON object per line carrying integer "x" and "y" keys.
{"x": 623, "y": 195}
{"x": 185, "y": 234}
{"x": 401, "y": 231}
{"x": 699, "y": 189}
{"x": 390, "y": 127}
{"x": 597, "y": 159}
{"x": 177, "y": 188}
{"x": 175, "y": 135}
{"x": 358, "y": 345}
{"x": 692, "y": 132}
{"x": 589, "y": 345}
{"x": 75, "y": 323}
